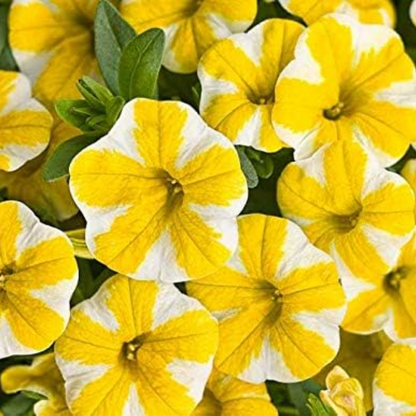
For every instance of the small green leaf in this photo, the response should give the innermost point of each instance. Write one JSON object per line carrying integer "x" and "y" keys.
{"x": 247, "y": 168}
{"x": 113, "y": 109}
{"x": 4, "y": 11}
{"x": 67, "y": 111}
{"x": 317, "y": 408}
{"x": 57, "y": 166}
{"x": 112, "y": 34}
{"x": 19, "y": 405}
{"x": 140, "y": 65}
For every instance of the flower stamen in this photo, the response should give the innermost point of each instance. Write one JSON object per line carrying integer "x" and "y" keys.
{"x": 335, "y": 112}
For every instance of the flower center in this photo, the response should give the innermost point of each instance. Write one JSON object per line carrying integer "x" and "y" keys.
{"x": 175, "y": 192}
{"x": 392, "y": 280}
{"x": 335, "y": 112}
{"x": 346, "y": 223}
{"x": 131, "y": 348}
{"x": 4, "y": 273}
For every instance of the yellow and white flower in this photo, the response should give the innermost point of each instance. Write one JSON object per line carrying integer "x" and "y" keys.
{"x": 38, "y": 274}
{"x": 351, "y": 208}
{"x": 366, "y": 11}
{"x": 278, "y": 301}
{"x": 360, "y": 355}
{"x": 238, "y": 77}
{"x": 381, "y": 296}
{"x": 137, "y": 348}
{"x": 344, "y": 394}
{"x": 160, "y": 193}
{"x": 42, "y": 377}
{"x": 228, "y": 396}
{"x": 348, "y": 80}
{"x": 48, "y": 199}
{"x": 409, "y": 173}
{"x": 191, "y": 26}
{"x": 25, "y": 125}
{"x": 52, "y": 41}
{"x": 395, "y": 381}
{"x": 413, "y": 12}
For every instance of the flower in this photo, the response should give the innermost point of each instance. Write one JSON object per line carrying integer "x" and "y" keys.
{"x": 360, "y": 355}
{"x": 350, "y": 207}
{"x": 139, "y": 348}
{"x": 382, "y": 296}
{"x": 278, "y": 302}
{"x": 191, "y": 26}
{"x": 344, "y": 394}
{"x": 226, "y": 395}
{"x": 348, "y": 80}
{"x": 50, "y": 200}
{"x": 413, "y": 12}
{"x": 25, "y": 125}
{"x": 160, "y": 193}
{"x": 42, "y": 377}
{"x": 409, "y": 173}
{"x": 38, "y": 273}
{"x": 238, "y": 77}
{"x": 366, "y": 11}
{"x": 395, "y": 381}
{"x": 52, "y": 42}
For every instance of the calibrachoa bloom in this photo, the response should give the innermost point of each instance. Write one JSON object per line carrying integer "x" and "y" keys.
{"x": 42, "y": 377}
{"x": 348, "y": 80}
{"x": 25, "y": 125}
{"x": 38, "y": 274}
{"x": 278, "y": 302}
{"x": 160, "y": 193}
{"x": 381, "y": 296}
{"x": 52, "y": 41}
{"x": 366, "y": 11}
{"x": 191, "y": 26}
{"x": 413, "y": 12}
{"x": 360, "y": 355}
{"x": 395, "y": 381}
{"x": 137, "y": 348}
{"x": 49, "y": 199}
{"x": 344, "y": 394}
{"x": 238, "y": 77}
{"x": 349, "y": 207}
{"x": 226, "y": 395}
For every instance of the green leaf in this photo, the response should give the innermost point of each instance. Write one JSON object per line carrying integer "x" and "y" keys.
{"x": 247, "y": 168}
{"x": 113, "y": 109}
{"x": 112, "y": 34}
{"x": 140, "y": 65}
{"x": 19, "y": 405}
{"x": 57, "y": 166}
{"x": 4, "y": 10}
{"x": 72, "y": 112}
{"x": 317, "y": 408}
{"x": 298, "y": 398}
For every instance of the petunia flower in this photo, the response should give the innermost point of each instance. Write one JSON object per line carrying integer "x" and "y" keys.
{"x": 344, "y": 394}
{"x": 395, "y": 381}
{"x": 351, "y": 208}
{"x": 191, "y": 26}
{"x": 238, "y": 77}
{"x": 348, "y": 80}
{"x": 25, "y": 125}
{"x": 49, "y": 199}
{"x": 359, "y": 355}
{"x": 137, "y": 348}
{"x": 52, "y": 41}
{"x": 226, "y": 395}
{"x": 366, "y": 11}
{"x": 42, "y": 377}
{"x": 160, "y": 193}
{"x": 38, "y": 274}
{"x": 278, "y": 302}
{"x": 413, "y": 12}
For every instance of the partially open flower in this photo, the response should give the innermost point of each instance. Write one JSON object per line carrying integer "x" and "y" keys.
{"x": 395, "y": 381}
{"x": 228, "y": 396}
{"x": 38, "y": 274}
{"x": 137, "y": 348}
{"x": 161, "y": 193}
{"x": 238, "y": 77}
{"x": 351, "y": 208}
{"x": 278, "y": 301}
{"x": 191, "y": 26}
{"x": 345, "y": 395}
{"x": 52, "y": 42}
{"x": 366, "y": 11}
{"x": 348, "y": 80}
{"x": 25, "y": 125}
{"x": 42, "y": 377}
